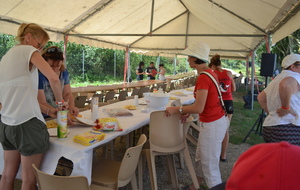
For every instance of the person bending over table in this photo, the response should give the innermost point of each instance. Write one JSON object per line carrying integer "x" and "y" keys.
{"x": 23, "y": 132}
{"x": 213, "y": 123}
{"x": 54, "y": 56}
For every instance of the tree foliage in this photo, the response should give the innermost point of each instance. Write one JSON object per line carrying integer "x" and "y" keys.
{"x": 93, "y": 64}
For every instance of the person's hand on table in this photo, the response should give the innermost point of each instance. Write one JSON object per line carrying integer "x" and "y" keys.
{"x": 73, "y": 110}
{"x": 52, "y": 112}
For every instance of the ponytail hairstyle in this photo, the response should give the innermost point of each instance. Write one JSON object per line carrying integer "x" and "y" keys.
{"x": 35, "y": 31}
{"x": 215, "y": 60}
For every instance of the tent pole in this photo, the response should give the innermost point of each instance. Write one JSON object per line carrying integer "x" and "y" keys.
{"x": 126, "y": 63}
{"x": 175, "y": 72}
{"x": 252, "y": 78}
{"x": 115, "y": 62}
{"x": 65, "y": 48}
{"x": 129, "y": 78}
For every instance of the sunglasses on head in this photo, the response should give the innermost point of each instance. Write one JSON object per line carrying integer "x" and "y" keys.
{"x": 52, "y": 50}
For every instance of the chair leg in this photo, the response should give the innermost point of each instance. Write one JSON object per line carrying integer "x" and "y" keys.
{"x": 172, "y": 170}
{"x": 152, "y": 161}
{"x": 181, "y": 160}
{"x": 140, "y": 170}
{"x": 148, "y": 157}
{"x": 133, "y": 182}
{"x": 190, "y": 166}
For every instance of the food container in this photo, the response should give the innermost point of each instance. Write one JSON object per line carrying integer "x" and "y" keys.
{"x": 157, "y": 101}
{"x": 62, "y": 124}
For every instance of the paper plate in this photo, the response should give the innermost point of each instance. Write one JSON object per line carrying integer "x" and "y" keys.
{"x": 53, "y": 132}
{"x": 85, "y": 121}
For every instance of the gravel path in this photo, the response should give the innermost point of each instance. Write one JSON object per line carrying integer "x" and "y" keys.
{"x": 234, "y": 151}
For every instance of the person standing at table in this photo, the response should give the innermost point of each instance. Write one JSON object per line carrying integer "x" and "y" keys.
{"x": 227, "y": 86}
{"x": 23, "y": 132}
{"x": 54, "y": 56}
{"x": 140, "y": 71}
{"x": 151, "y": 72}
{"x": 213, "y": 123}
{"x": 280, "y": 99}
{"x": 162, "y": 72}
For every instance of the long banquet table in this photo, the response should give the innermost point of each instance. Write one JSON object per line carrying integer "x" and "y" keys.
{"x": 82, "y": 156}
{"x": 92, "y": 89}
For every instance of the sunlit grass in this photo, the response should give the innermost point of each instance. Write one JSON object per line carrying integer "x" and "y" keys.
{"x": 243, "y": 119}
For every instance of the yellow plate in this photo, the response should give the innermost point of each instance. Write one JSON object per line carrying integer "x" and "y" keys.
{"x": 130, "y": 107}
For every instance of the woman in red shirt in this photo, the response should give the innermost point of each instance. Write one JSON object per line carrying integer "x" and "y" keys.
{"x": 213, "y": 123}
{"x": 227, "y": 86}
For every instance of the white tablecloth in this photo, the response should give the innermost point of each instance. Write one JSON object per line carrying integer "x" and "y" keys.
{"x": 81, "y": 155}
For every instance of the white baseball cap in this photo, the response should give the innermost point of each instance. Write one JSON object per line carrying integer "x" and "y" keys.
{"x": 199, "y": 50}
{"x": 290, "y": 60}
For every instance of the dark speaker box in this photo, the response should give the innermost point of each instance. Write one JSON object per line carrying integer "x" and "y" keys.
{"x": 268, "y": 62}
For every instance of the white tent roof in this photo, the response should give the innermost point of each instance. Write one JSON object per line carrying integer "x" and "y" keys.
{"x": 232, "y": 28}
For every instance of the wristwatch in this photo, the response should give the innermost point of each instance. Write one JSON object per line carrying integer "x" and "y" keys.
{"x": 180, "y": 109}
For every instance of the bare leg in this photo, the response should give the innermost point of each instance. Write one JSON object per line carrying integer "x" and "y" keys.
{"x": 28, "y": 176}
{"x": 225, "y": 140}
{"x": 11, "y": 167}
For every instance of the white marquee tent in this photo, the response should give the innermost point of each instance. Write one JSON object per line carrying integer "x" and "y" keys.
{"x": 232, "y": 28}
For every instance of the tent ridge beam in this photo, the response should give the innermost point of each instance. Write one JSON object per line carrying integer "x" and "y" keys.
{"x": 160, "y": 27}
{"x": 152, "y": 15}
{"x": 241, "y": 18}
{"x": 181, "y": 49}
{"x": 284, "y": 20}
{"x": 158, "y": 35}
{"x": 19, "y": 23}
{"x": 103, "y": 41}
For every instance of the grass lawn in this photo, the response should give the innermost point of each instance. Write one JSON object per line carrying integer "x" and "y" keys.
{"x": 243, "y": 119}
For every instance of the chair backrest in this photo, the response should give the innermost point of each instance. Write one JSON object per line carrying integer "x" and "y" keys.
{"x": 51, "y": 182}
{"x": 166, "y": 133}
{"x": 100, "y": 97}
{"x": 109, "y": 96}
{"x": 113, "y": 101}
{"x": 123, "y": 95}
{"x": 164, "y": 87}
{"x": 135, "y": 92}
{"x": 172, "y": 86}
{"x": 130, "y": 161}
{"x": 176, "y": 103}
{"x": 142, "y": 90}
{"x": 80, "y": 101}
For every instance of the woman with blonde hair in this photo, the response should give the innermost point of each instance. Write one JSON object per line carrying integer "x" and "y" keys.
{"x": 23, "y": 132}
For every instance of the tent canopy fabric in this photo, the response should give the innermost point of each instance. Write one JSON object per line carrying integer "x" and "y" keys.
{"x": 232, "y": 28}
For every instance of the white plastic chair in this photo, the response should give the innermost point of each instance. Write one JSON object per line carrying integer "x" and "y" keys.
{"x": 115, "y": 174}
{"x": 50, "y": 182}
{"x": 166, "y": 137}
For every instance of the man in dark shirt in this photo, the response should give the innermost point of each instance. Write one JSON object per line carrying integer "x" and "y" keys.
{"x": 151, "y": 72}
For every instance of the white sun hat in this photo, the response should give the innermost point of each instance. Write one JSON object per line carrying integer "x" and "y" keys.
{"x": 290, "y": 60}
{"x": 199, "y": 50}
